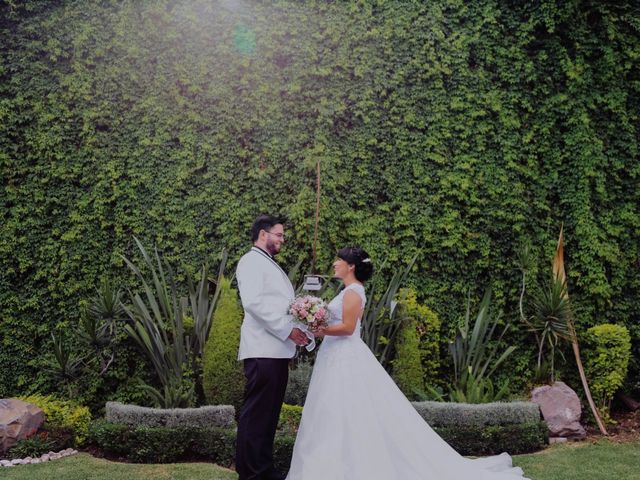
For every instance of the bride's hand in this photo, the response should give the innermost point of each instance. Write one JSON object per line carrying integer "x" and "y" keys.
{"x": 318, "y": 332}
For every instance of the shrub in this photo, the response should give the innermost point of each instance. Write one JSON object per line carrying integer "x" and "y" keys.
{"x": 298, "y": 384}
{"x": 494, "y": 439}
{"x": 440, "y": 414}
{"x": 428, "y": 328}
{"x": 407, "y": 367}
{"x": 63, "y": 414}
{"x": 32, "y": 446}
{"x": 133, "y": 415}
{"x": 223, "y": 379}
{"x": 163, "y": 444}
{"x": 607, "y": 352}
{"x": 289, "y": 420}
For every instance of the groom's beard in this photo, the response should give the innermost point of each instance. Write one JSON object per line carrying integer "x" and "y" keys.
{"x": 272, "y": 247}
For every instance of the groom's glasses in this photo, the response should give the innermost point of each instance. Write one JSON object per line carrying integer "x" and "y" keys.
{"x": 279, "y": 235}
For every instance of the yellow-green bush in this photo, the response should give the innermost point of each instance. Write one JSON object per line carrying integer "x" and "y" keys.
{"x": 63, "y": 414}
{"x": 606, "y": 360}
{"x": 407, "y": 368}
{"x": 418, "y": 355}
{"x": 223, "y": 379}
{"x": 289, "y": 420}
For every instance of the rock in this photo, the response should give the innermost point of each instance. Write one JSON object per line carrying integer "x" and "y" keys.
{"x": 5, "y": 463}
{"x": 557, "y": 440}
{"x": 560, "y": 407}
{"x": 35, "y": 461}
{"x": 16, "y": 461}
{"x": 18, "y": 420}
{"x": 45, "y": 457}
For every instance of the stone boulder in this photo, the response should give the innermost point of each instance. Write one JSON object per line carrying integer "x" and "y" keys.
{"x": 561, "y": 409}
{"x": 18, "y": 420}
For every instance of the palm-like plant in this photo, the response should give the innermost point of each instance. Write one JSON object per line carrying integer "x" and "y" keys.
{"x": 474, "y": 359}
{"x": 157, "y": 325}
{"x": 549, "y": 321}
{"x": 99, "y": 321}
{"x": 381, "y": 321}
{"x": 553, "y": 318}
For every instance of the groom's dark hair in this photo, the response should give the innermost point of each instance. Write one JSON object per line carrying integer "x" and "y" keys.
{"x": 265, "y": 222}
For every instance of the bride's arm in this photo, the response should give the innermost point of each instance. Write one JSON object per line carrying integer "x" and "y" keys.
{"x": 351, "y": 309}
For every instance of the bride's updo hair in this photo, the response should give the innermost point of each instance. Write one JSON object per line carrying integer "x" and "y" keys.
{"x": 360, "y": 259}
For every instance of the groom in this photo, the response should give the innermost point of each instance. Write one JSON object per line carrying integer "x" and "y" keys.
{"x": 268, "y": 339}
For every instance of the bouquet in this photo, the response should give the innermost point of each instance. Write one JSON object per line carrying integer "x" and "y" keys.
{"x": 310, "y": 310}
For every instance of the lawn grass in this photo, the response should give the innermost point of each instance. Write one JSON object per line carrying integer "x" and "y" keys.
{"x": 601, "y": 460}
{"x": 85, "y": 467}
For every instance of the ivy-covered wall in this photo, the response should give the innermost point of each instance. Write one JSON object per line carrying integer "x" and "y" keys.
{"x": 448, "y": 128}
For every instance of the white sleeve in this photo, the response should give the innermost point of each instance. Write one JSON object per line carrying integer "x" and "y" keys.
{"x": 251, "y": 285}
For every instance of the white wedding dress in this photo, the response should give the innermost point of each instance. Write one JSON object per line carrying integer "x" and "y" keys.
{"x": 357, "y": 425}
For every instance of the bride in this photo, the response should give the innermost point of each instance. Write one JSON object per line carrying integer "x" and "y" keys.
{"x": 356, "y": 423}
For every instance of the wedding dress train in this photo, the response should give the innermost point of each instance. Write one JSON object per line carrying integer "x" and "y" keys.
{"x": 357, "y": 425}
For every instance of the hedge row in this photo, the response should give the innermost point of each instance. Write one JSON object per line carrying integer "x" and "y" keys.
{"x": 165, "y": 445}
{"x": 219, "y": 416}
{"x": 467, "y": 415}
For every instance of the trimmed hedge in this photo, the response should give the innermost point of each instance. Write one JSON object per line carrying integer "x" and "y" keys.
{"x": 220, "y": 416}
{"x": 515, "y": 439}
{"x": 468, "y": 415}
{"x": 298, "y": 383}
{"x": 165, "y": 445}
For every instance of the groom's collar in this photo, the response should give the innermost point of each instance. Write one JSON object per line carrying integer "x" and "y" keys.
{"x": 263, "y": 251}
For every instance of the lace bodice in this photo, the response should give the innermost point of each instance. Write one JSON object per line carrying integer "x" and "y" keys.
{"x": 335, "y": 306}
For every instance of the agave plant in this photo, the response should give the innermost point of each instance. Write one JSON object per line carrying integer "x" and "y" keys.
{"x": 98, "y": 323}
{"x": 157, "y": 325}
{"x": 549, "y": 321}
{"x": 381, "y": 321}
{"x": 65, "y": 364}
{"x": 474, "y": 359}
{"x": 201, "y": 305}
{"x": 477, "y": 390}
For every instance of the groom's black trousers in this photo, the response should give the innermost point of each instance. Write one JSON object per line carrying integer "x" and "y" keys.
{"x": 264, "y": 393}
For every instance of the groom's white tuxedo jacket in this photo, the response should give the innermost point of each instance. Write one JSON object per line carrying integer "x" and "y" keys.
{"x": 266, "y": 293}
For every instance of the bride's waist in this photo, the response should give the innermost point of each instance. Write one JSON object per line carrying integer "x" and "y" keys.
{"x": 335, "y": 338}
